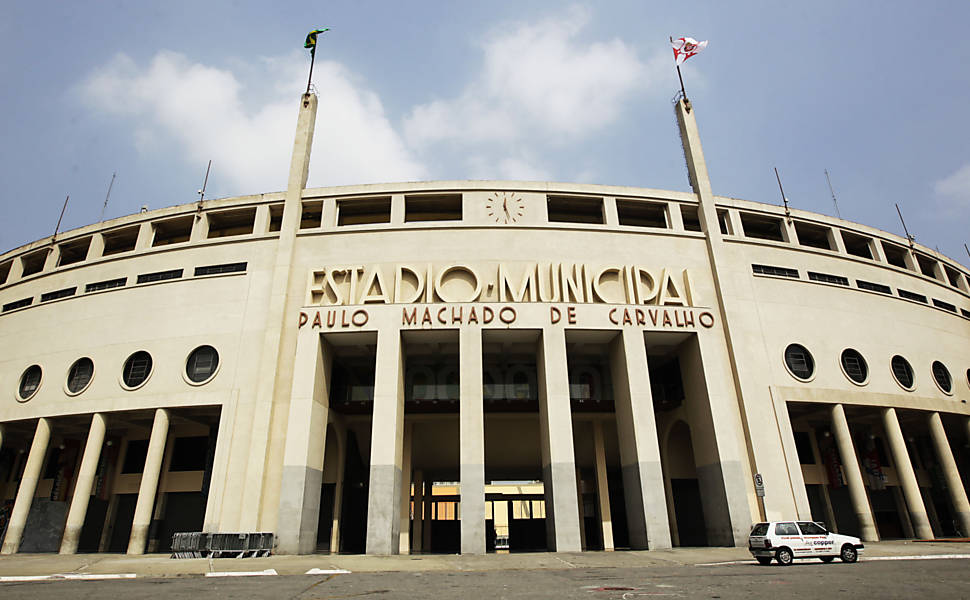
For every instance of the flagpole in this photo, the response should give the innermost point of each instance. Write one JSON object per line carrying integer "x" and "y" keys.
{"x": 681, "y": 78}
{"x": 313, "y": 55}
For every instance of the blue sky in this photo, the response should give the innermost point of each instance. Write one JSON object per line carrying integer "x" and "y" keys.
{"x": 875, "y": 92}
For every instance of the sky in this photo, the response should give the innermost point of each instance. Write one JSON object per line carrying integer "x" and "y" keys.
{"x": 876, "y": 92}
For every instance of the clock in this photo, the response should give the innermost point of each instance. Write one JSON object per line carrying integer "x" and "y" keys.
{"x": 504, "y": 207}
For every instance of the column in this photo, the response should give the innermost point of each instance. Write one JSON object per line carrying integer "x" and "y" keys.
{"x": 387, "y": 432}
{"x": 556, "y": 443}
{"x": 28, "y": 486}
{"x": 428, "y": 515}
{"x": 602, "y": 486}
{"x": 958, "y": 495}
{"x": 472, "y": 441}
{"x": 149, "y": 483}
{"x": 405, "y": 535}
{"x": 418, "y": 538}
{"x": 338, "y": 491}
{"x": 85, "y": 483}
{"x": 853, "y": 475}
{"x": 643, "y": 481}
{"x": 306, "y": 440}
{"x": 906, "y": 475}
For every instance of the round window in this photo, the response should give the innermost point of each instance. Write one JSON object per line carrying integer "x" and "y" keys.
{"x": 80, "y": 374}
{"x": 855, "y": 366}
{"x": 202, "y": 364}
{"x": 137, "y": 369}
{"x": 799, "y": 361}
{"x": 942, "y": 376}
{"x": 29, "y": 382}
{"x": 903, "y": 372}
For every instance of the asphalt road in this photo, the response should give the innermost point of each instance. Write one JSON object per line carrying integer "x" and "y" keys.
{"x": 805, "y": 579}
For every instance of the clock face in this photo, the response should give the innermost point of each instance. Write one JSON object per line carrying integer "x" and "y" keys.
{"x": 504, "y": 207}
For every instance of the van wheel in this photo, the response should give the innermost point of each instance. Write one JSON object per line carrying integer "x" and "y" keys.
{"x": 849, "y": 554}
{"x": 827, "y": 559}
{"x": 785, "y": 557}
{"x": 764, "y": 560}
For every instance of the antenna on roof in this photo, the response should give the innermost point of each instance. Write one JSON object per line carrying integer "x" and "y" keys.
{"x": 106, "y": 196}
{"x": 205, "y": 182}
{"x": 967, "y": 249}
{"x": 910, "y": 237}
{"x": 58, "y": 226}
{"x": 834, "y": 200}
{"x": 783, "y": 197}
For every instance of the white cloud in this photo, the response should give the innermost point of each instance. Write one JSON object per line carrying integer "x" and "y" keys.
{"x": 537, "y": 80}
{"x": 204, "y": 110}
{"x": 955, "y": 189}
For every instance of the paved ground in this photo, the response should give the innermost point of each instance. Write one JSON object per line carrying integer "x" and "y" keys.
{"x": 888, "y": 570}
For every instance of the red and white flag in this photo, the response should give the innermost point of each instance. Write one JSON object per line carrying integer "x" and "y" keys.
{"x": 685, "y": 47}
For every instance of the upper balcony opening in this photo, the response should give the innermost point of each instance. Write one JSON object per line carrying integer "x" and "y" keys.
{"x": 440, "y": 207}
{"x": 857, "y": 245}
{"x": 813, "y": 236}
{"x": 363, "y": 211}
{"x": 927, "y": 265}
{"x": 227, "y": 223}
{"x": 5, "y": 271}
{"x": 689, "y": 215}
{"x": 173, "y": 231}
{"x": 311, "y": 214}
{"x": 952, "y": 275}
{"x": 120, "y": 240}
{"x": 638, "y": 213}
{"x": 74, "y": 252}
{"x": 762, "y": 227}
{"x": 575, "y": 209}
{"x": 895, "y": 255}
{"x": 34, "y": 263}
{"x": 275, "y": 217}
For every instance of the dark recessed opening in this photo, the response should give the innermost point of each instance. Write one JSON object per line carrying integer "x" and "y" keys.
{"x": 443, "y": 207}
{"x": 275, "y": 217}
{"x": 724, "y": 222}
{"x": 5, "y": 271}
{"x": 761, "y": 227}
{"x": 895, "y": 255}
{"x": 34, "y": 263}
{"x": 857, "y": 245}
{"x": 927, "y": 265}
{"x": 173, "y": 231}
{"x": 641, "y": 214}
{"x": 813, "y": 236}
{"x": 74, "y": 252}
{"x": 189, "y": 454}
{"x": 119, "y": 240}
{"x": 564, "y": 209}
{"x": 362, "y": 211}
{"x": 952, "y": 276}
{"x": 311, "y": 214}
{"x": 231, "y": 222}
{"x": 135, "y": 456}
{"x": 688, "y": 214}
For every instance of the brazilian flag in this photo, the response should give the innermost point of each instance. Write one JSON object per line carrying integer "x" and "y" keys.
{"x": 311, "y": 40}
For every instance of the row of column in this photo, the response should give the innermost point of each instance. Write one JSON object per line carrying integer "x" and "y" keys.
{"x": 85, "y": 484}
{"x": 390, "y": 480}
{"x": 904, "y": 471}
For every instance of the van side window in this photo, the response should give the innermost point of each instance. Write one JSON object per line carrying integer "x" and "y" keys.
{"x": 809, "y": 528}
{"x": 786, "y": 529}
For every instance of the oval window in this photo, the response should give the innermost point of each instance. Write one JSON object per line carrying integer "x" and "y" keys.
{"x": 799, "y": 361}
{"x": 202, "y": 364}
{"x": 855, "y": 366}
{"x": 80, "y": 374}
{"x": 903, "y": 372}
{"x": 942, "y": 376}
{"x": 29, "y": 382}
{"x": 137, "y": 369}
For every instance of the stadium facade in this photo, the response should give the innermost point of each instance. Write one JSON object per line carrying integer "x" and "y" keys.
{"x": 467, "y": 366}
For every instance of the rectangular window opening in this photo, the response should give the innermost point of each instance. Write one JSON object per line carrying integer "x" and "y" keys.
{"x": 442, "y": 207}
{"x": 5, "y": 271}
{"x": 911, "y": 296}
{"x": 160, "y": 276}
{"x": 826, "y": 278}
{"x": 119, "y": 240}
{"x": 965, "y": 313}
{"x": 761, "y": 227}
{"x": 927, "y": 265}
{"x": 895, "y": 255}
{"x": 18, "y": 304}
{"x": 724, "y": 222}
{"x": 873, "y": 287}
{"x": 564, "y": 209}
{"x": 66, "y": 292}
{"x": 690, "y": 217}
{"x": 857, "y": 245}
{"x": 34, "y": 263}
{"x": 221, "y": 269}
{"x": 944, "y": 305}
{"x": 73, "y": 252}
{"x": 813, "y": 236}
{"x": 172, "y": 231}
{"x": 637, "y": 213}
{"x": 275, "y": 217}
{"x": 952, "y": 276}
{"x": 105, "y": 285}
{"x": 775, "y": 271}
{"x": 311, "y": 214}
{"x": 231, "y": 222}
{"x": 363, "y": 211}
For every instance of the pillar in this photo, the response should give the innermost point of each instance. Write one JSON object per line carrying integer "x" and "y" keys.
{"x": 428, "y": 514}
{"x": 602, "y": 486}
{"x": 306, "y": 440}
{"x": 643, "y": 481}
{"x": 383, "y": 507}
{"x": 906, "y": 475}
{"x": 28, "y": 486}
{"x": 556, "y": 443}
{"x": 85, "y": 483}
{"x": 405, "y": 535}
{"x": 340, "y": 430}
{"x": 853, "y": 475}
{"x": 149, "y": 483}
{"x": 417, "y": 538}
{"x": 958, "y": 495}
{"x": 472, "y": 441}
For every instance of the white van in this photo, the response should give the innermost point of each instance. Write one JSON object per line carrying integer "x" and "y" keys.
{"x": 785, "y": 541}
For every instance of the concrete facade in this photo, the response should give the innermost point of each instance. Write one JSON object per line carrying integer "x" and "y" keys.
{"x": 480, "y": 366}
